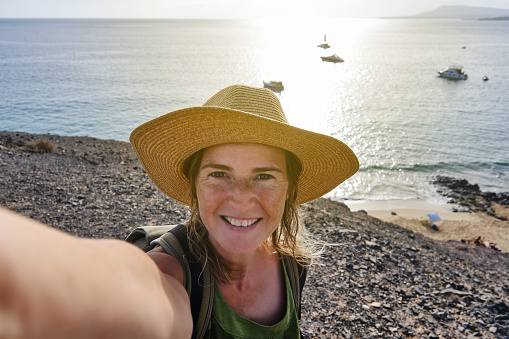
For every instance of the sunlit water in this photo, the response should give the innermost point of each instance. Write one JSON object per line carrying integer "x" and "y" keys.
{"x": 102, "y": 78}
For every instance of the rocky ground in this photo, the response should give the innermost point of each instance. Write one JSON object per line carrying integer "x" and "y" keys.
{"x": 375, "y": 279}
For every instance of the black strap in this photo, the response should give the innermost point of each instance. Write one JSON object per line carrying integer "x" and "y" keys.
{"x": 202, "y": 285}
{"x": 199, "y": 282}
{"x": 303, "y": 272}
{"x": 297, "y": 278}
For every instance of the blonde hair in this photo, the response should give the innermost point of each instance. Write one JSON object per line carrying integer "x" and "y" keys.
{"x": 287, "y": 240}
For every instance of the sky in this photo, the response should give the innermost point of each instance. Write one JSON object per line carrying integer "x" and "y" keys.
{"x": 226, "y": 8}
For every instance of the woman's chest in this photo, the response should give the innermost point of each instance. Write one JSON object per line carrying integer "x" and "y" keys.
{"x": 262, "y": 300}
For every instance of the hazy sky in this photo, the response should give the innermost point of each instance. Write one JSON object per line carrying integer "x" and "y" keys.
{"x": 225, "y": 8}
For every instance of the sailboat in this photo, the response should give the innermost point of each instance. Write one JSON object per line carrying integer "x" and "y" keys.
{"x": 325, "y": 45}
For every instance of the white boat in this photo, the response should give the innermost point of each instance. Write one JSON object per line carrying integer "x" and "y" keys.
{"x": 325, "y": 45}
{"x": 276, "y": 86}
{"x": 454, "y": 72}
{"x": 333, "y": 58}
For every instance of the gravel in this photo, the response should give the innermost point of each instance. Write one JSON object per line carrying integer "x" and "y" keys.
{"x": 375, "y": 279}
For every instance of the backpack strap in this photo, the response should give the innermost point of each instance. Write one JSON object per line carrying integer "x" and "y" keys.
{"x": 142, "y": 237}
{"x": 297, "y": 277}
{"x": 198, "y": 282}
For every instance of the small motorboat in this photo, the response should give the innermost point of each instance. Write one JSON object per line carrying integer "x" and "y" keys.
{"x": 276, "y": 86}
{"x": 333, "y": 58}
{"x": 454, "y": 72}
{"x": 485, "y": 78}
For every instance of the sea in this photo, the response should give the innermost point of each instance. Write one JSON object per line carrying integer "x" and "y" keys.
{"x": 101, "y": 78}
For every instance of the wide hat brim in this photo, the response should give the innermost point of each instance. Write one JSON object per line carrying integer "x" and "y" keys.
{"x": 164, "y": 143}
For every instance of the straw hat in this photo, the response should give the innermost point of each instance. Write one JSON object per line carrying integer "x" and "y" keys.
{"x": 238, "y": 114}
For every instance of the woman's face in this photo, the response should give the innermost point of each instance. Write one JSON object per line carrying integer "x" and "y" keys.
{"x": 241, "y": 190}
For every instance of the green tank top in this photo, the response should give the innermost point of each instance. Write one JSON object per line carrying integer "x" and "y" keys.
{"x": 225, "y": 323}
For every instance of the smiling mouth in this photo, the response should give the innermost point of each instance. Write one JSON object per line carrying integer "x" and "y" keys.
{"x": 240, "y": 223}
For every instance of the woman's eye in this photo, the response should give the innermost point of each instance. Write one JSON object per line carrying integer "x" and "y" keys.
{"x": 217, "y": 174}
{"x": 264, "y": 176}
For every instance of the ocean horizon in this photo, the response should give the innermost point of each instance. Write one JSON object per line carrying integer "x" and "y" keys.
{"x": 101, "y": 78}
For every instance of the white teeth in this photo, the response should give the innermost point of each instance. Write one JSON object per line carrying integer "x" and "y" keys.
{"x": 241, "y": 223}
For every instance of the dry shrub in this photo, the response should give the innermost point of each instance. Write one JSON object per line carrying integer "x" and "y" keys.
{"x": 43, "y": 146}
{"x": 425, "y": 222}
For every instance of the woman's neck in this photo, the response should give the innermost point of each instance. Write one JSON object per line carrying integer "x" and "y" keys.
{"x": 250, "y": 264}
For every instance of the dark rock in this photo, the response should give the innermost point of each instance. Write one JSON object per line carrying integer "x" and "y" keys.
{"x": 470, "y": 197}
{"x": 499, "y": 308}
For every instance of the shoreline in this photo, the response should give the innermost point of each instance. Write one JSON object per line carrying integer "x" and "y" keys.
{"x": 454, "y": 225}
{"x": 410, "y": 209}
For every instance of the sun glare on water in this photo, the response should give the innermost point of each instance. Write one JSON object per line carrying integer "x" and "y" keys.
{"x": 290, "y": 54}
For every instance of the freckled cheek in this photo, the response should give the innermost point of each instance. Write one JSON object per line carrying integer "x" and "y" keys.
{"x": 209, "y": 200}
{"x": 274, "y": 203}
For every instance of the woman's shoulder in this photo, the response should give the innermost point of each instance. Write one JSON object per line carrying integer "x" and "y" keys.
{"x": 167, "y": 264}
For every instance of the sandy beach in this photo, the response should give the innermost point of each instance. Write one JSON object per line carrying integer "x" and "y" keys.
{"x": 412, "y": 215}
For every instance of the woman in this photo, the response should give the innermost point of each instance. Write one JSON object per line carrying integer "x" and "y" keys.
{"x": 243, "y": 170}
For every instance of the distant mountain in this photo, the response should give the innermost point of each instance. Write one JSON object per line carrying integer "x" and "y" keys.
{"x": 496, "y": 18}
{"x": 464, "y": 12}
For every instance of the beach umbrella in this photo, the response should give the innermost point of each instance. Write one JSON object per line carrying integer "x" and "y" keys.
{"x": 433, "y": 217}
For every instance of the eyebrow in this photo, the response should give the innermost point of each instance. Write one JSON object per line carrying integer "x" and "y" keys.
{"x": 217, "y": 166}
{"x": 267, "y": 169}
{"x": 228, "y": 168}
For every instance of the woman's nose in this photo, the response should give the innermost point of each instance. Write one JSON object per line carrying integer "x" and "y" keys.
{"x": 242, "y": 193}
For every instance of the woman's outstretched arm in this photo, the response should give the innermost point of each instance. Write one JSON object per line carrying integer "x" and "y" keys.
{"x": 53, "y": 285}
